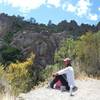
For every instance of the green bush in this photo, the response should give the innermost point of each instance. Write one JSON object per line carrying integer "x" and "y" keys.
{"x": 88, "y": 53}
{"x": 49, "y": 70}
{"x": 66, "y": 49}
{"x": 84, "y": 52}
{"x": 8, "y": 37}
{"x": 10, "y": 54}
{"x": 1, "y": 70}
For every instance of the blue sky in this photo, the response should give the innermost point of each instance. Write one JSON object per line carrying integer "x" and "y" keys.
{"x": 82, "y": 11}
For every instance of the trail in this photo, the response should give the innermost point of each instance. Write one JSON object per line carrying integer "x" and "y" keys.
{"x": 87, "y": 90}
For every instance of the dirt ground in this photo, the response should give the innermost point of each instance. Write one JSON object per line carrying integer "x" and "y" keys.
{"x": 87, "y": 90}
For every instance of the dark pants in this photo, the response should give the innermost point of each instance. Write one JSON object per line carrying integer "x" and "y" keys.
{"x": 62, "y": 79}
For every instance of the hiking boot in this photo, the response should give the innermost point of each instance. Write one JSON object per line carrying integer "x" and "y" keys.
{"x": 75, "y": 88}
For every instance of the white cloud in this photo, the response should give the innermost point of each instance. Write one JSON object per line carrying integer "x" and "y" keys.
{"x": 93, "y": 17}
{"x": 81, "y": 8}
{"x": 99, "y": 8}
{"x": 64, "y": 6}
{"x": 25, "y": 5}
{"x": 2, "y": 1}
{"x": 55, "y": 3}
{"x": 71, "y": 8}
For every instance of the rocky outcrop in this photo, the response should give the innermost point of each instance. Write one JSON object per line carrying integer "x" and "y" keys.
{"x": 42, "y": 44}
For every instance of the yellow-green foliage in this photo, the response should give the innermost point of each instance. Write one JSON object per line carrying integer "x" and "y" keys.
{"x": 84, "y": 52}
{"x": 88, "y": 53}
{"x": 67, "y": 48}
{"x": 1, "y": 71}
{"x": 19, "y": 77}
{"x": 49, "y": 70}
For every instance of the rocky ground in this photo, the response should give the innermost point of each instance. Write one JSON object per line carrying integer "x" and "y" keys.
{"x": 87, "y": 90}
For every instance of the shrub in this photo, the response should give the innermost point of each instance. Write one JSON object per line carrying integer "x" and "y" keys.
{"x": 2, "y": 87}
{"x": 67, "y": 49}
{"x": 85, "y": 53}
{"x": 10, "y": 54}
{"x": 49, "y": 70}
{"x": 19, "y": 77}
{"x": 88, "y": 53}
{"x": 1, "y": 70}
{"x": 8, "y": 37}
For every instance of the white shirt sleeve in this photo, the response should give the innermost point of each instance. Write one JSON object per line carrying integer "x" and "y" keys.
{"x": 70, "y": 75}
{"x": 63, "y": 71}
{"x": 70, "y": 79}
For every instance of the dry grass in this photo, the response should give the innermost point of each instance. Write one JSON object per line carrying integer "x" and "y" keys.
{"x": 84, "y": 76}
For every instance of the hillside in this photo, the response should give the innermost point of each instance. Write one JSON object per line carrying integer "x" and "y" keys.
{"x": 30, "y": 36}
{"x": 87, "y": 90}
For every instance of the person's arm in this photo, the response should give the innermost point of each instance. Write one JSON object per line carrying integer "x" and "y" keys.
{"x": 62, "y": 71}
{"x": 70, "y": 79}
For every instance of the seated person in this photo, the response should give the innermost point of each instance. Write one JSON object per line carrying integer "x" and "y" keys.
{"x": 66, "y": 76}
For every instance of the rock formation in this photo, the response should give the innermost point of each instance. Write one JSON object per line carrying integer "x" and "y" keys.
{"x": 42, "y": 44}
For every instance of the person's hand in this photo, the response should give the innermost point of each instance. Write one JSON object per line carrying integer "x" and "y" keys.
{"x": 55, "y": 74}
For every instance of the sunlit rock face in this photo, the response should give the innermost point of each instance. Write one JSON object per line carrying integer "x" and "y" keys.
{"x": 43, "y": 44}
